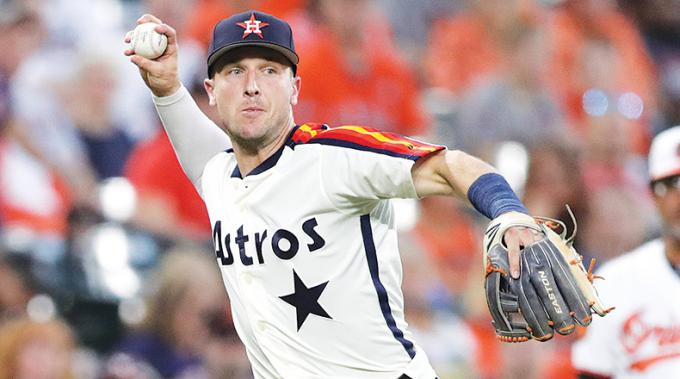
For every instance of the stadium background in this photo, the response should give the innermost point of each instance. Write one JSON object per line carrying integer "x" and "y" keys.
{"x": 103, "y": 239}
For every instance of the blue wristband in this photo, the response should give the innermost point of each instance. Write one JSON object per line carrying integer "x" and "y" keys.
{"x": 492, "y": 196}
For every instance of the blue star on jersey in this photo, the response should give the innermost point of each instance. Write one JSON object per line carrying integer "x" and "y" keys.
{"x": 305, "y": 300}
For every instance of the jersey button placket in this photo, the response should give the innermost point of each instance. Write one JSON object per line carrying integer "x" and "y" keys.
{"x": 243, "y": 189}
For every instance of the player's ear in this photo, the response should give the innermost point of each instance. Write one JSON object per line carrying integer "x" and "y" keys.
{"x": 295, "y": 82}
{"x": 209, "y": 86}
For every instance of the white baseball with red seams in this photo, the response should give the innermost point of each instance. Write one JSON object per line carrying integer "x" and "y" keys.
{"x": 641, "y": 337}
{"x": 147, "y": 42}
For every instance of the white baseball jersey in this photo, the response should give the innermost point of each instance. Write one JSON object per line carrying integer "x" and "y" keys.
{"x": 307, "y": 247}
{"x": 641, "y": 337}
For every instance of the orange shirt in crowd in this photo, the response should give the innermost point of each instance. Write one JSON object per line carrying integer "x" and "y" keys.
{"x": 451, "y": 238}
{"x": 281, "y": 8}
{"x": 489, "y": 358}
{"x": 382, "y": 93}
{"x": 50, "y": 220}
{"x": 460, "y": 51}
{"x": 154, "y": 171}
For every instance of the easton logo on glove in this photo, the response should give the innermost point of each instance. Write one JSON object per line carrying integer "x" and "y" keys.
{"x": 549, "y": 290}
{"x": 554, "y": 291}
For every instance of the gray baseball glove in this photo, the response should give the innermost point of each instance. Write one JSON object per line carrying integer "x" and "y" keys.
{"x": 554, "y": 291}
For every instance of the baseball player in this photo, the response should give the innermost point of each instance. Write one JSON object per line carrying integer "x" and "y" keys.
{"x": 641, "y": 339}
{"x": 302, "y": 223}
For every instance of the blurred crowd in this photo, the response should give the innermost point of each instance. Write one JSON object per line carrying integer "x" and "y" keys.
{"x": 106, "y": 261}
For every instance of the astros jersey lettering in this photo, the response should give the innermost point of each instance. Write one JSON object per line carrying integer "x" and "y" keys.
{"x": 641, "y": 337}
{"x": 312, "y": 269}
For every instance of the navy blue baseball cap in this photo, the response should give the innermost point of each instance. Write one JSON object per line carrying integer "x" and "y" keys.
{"x": 252, "y": 28}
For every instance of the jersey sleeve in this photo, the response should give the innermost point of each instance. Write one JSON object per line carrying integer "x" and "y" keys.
{"x": 194, "y": 137}
{"x": 361, "y": 165}
{"x": 595, "y": 352}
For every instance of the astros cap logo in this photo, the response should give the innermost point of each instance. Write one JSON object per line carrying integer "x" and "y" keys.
{"x": 240, "y": 30}
{"x": 252, "y": 26}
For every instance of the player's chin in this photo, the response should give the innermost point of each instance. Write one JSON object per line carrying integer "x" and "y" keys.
{"x": 252, "y": 138}
{"x": 253, "y": 130}
{"x": 252, "y": 123}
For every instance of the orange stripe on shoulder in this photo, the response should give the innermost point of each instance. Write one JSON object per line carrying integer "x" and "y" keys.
{"x": 308, "y": 131}
{"x": 363, "y": 138}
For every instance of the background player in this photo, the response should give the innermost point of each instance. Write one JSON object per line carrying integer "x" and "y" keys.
{"x": 303, "y": 231}
{"x": 641, "y": 339}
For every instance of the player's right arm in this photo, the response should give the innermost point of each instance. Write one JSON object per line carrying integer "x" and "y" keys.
{"x": 195, "y": 138}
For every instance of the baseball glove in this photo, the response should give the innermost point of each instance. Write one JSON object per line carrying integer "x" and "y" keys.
{"x": 554, "y": 291}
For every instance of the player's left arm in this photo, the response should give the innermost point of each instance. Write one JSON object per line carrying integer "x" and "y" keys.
{"x": 448, "y": 173}
{"x": 456, "y": 173}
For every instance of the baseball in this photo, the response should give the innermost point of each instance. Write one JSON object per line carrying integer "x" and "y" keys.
{"x": 147, "y": 42}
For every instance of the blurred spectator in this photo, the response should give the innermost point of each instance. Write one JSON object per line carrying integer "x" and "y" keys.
{"x": 369, "y": 85}
{"x": 66, "y": 34}
{"x": 168, "y": 204}
{"x": 451, "y": 239}
{"x": 615, "y": 188}
{"x": 445, "y": 336}
{"x": 464, "y": 49}
{"x": 35, "y": 350}
{"x": 207, "y": 13}
{"x": 659, "y": 21}
{"x": 281, "y": 7}
{"x": 40, "y": 173}
{"x": 411, "y": 21}
{"x": 63, "y": 20}
{"x": 607, "y": 159}
{"x": 601, "y": 182}
{"x": 618, "y": 221}
{"x": 555, "y": 179}
{"x": 17, "y": 285}
{"x": 512, "y": 104}
{"x": 174, "y": 337}
{"x": 87, "y": 100}
{"x": 440, "y": 273}
{"x": 598, "y": 64}
{"x": 22, "y": 34}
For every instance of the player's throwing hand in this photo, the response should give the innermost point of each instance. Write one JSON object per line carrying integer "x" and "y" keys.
{"x": 160, "y": 74}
